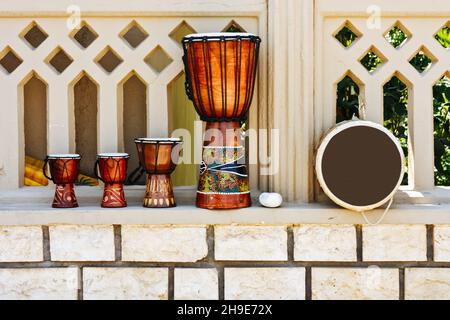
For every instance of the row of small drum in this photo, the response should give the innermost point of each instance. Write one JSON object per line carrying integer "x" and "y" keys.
{"x": 157, "y": 156}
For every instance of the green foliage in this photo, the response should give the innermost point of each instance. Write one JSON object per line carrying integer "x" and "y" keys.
{"x": 347, "y": 100}
{"x": 396, "y": 37}
{"x": 346, "y": 36}
{"x": 443, "y": 37}
{"x": 420, "y": 61}
{"x": 441, "y": 105}
{"x": 396, "y": 102}
{"x": 233, "y": 28}
{"x": 371, "y": 61}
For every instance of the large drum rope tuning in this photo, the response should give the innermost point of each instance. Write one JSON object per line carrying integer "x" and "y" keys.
{"x": 220, "y": 79}
{"x": 64, "y": 173}
{"x": 360, "y": 165}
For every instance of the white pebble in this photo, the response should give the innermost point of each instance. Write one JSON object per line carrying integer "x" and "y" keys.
{"x": 270, "y": 200}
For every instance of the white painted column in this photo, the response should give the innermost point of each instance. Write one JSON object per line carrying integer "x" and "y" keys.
{"x": 373, "y": 91}
{"x": 422, "y": 129}
{"x": 107, "y": 129}
{"x": 11, "y": 155}
{"x": 58, "y": 116}
{"x": 157, "y": 111}
{"x": 290, "y": 94}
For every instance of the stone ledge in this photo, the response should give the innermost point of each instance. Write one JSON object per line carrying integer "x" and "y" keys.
{"x": 42, "y": 214}
{"x": 37, "y": 211}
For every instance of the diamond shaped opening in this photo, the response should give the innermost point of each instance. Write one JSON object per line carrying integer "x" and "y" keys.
{"x": 158, "y": 59}
{"x": 347, "y": 34}
{"x": 422, "y": 60}
{"x": 372, "y": 59}
{"x": 85, "y": 35}
{"x": 397, "y": 35}
{"x": 182, "y": 30}
{"x": 134, "y": 34}
{"x": 59, "y": 60}
{"x": 108, "y": 59}
{"x": 34, "y": 35}
{"x": 9, "y": 60}
{"x": 233, "y": 26}
{"x": 443, "y": 36}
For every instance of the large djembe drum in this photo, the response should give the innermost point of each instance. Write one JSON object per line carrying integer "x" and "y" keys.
{"x": 220, "y": 79}
{"x": 111, "y": 169}
{"x": 64, "y": 173}
{"x": 359, "y": 165}
{"x": 159, "y": 158}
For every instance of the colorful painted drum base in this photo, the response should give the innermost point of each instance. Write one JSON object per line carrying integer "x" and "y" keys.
{"x": 64, "y": 196}
{"x": 114, "y": 196}
{"x": 159, "y": 192}
{"x": 223, "y": 182}
{"x": 212, "y": 201}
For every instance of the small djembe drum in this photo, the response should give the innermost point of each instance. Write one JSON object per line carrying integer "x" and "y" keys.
{"x": 359, "y": 165}
{"x": 159, "y": 158}
{"x": 64, "y": 173}
{"x": 220, "y": 79}
{"x": 111, "y": 169}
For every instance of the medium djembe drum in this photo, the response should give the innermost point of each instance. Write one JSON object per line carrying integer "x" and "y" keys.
{"x": 64, "y": 173}
{"x": 111, "y": 169}
{"x": 159, "y": 158}
{"x": 220, "y": 79}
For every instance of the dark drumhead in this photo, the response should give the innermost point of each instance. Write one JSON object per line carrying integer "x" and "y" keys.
{"x": 361, "y": 165}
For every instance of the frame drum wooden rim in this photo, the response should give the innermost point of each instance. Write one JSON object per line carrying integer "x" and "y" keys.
{"x": 328, "y": 136}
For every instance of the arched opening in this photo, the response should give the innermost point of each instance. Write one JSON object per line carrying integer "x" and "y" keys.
{"x": 133, "y": 115}
{"x": 395, "y": 110}
{"x": 182, "y": 115}
{"x": 85, "y": 109}
{"x": 347, "y": 98}
{"x": 35, "y": 130}
{"x": 441, "y": 108}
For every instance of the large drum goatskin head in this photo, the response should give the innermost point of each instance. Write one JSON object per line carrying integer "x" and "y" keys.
{"x": 361, "y": 166}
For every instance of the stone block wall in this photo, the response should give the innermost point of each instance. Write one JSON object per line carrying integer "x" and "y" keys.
{"x": 225, "y": 262}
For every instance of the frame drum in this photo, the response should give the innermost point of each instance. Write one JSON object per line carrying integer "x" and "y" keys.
{"x": 359, "y": 165}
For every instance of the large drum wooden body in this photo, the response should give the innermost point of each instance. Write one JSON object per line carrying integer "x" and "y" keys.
{"x": 360, "y": 165}
{"x": 220, "y": 79}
